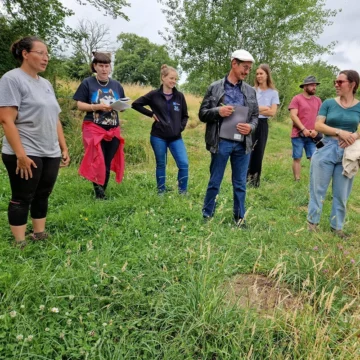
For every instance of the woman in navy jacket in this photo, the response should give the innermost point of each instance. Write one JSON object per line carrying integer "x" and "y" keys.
{"x": 169, "y": 111}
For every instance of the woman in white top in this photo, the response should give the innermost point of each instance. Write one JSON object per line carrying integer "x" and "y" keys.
{"x": 268, "y": 101}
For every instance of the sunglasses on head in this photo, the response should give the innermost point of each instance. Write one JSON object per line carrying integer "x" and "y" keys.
{"x": 340, "y": 82}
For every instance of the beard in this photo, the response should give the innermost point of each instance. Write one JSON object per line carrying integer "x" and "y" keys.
{"x": 310, "y": 91}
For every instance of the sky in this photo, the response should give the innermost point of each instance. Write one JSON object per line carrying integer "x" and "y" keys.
{"x": 146, "y": 19}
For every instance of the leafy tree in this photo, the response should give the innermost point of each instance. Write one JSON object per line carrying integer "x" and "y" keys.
{"x": 203, "y": 33}
{"x": 290, "y": 76}
{"x": 139, "y": 61}
{"x": 6, "y": 38}
{"x": 46, "y": 18}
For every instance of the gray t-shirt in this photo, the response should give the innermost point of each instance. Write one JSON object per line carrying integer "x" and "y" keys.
{"x": 267, "y": 97}
{"x": 38, "y": 113}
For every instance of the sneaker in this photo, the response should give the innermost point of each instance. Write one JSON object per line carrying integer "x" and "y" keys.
{"x": 240, "y": 223}
{"x": 340, "y": 233}
{"x": 20, "y": 244}
{"x": 207, "y": 218}
{"x": 312, "y": 227}
{"x": 40, "y": 236}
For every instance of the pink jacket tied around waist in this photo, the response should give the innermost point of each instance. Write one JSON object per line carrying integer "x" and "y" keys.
{"x": 92, "y": 166}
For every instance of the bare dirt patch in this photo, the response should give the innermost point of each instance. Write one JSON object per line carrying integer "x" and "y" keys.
{"x": 261, "y": 293}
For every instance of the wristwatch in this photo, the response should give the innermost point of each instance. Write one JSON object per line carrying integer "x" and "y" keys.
{"x": 337, "y": 132}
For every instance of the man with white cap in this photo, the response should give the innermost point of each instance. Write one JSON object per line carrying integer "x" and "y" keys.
{"x": 304, "y": 108}
{"x": 219, "y": 102}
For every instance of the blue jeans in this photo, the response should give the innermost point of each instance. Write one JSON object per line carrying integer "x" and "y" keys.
{"x": 239, "y": 165}
{"x": 178, "y": 151}
{"x": 326, "y": 165}
{"x": 301, "y": 143}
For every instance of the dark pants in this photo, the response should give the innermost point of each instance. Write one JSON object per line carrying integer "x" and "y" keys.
{"x": 32, "y": 193}
{"x": 109, "y": 149}
{"x": 257, "y": 155}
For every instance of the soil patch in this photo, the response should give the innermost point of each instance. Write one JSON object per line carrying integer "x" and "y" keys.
{"x": 260, "y": 293}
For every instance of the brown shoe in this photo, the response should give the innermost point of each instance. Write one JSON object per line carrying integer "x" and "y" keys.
{"x": 340, "y": 234}
{"x": 20, "y": 244}
{"x": 39, "y": 236}
{"x": 312, "y": 227}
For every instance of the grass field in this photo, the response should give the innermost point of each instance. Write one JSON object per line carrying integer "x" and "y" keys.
{"x": 142, "y": 277}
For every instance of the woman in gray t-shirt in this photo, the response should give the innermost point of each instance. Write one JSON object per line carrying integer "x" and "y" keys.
{"x": 268, "y": 100}
{"x": 34, "y": 142}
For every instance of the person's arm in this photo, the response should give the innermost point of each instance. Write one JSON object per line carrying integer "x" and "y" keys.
{"x": 65, "y": 158}
{"x": 346, "y": 138}
{"x": 297, "y": 122}
{"x": 210, "y": 112}
{"x": 82, "y": 106}
{"x": 268, "y": 110}
{"x": 140, "y": 103}
{"x": 8, "y": 116}
{"x": 185, "y": 115}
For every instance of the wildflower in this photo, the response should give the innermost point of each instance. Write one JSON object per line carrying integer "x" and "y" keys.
{"x": 91, "y": 333}
{"x": 67, "y": 314}
{"x": 352, "y": 261}
{"x": 104, "y": 324}
{"x": 86, "y": 219}
{"x": 12, "y": 313}
{"x": 20, "y": 337}
{"x": 69, "y": 322}
{"x": 62, "y": 335}
{"x": 155, "y": 236}
{"x": 42, "y": 307}
{"x": 104, "y": 265}
{"x": 95, "y": 286}
{"x": 71, "y": 297}
{"x": 22, "y": 306}
{"x": 54, "y": 310}
{"x": 315, "y": 248}
{"x": 47, "y": 329}
{"x": 29, "y": 338}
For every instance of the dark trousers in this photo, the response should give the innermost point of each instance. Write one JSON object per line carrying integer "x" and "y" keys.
{"x": 257, "y": 155}
{"x": 109, "y": 149}
{"x": 32, "y": 193}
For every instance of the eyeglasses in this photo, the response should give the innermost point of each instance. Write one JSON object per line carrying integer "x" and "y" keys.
{"x": 246, "y": 67}
{"x": 41, "y": 53}
{"x": 339, "y": 82}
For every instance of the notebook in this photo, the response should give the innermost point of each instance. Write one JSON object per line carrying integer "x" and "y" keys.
{"x": 228, "y": 128}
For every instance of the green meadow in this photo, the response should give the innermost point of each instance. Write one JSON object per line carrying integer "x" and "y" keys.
{"x": 143, "y": 277}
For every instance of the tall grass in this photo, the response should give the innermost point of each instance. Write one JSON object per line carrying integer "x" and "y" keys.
{"x": 142, "y": 277}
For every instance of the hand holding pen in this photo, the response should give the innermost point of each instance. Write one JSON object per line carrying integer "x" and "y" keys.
{"x": 226, "y": 110}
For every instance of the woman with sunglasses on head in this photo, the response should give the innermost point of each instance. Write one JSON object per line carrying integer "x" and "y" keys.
{"x": 268, "y": 100}
{"x": 169, "y": 111}
{"x": 101, "y": 127}
{"x": 338, "y": 120}
{"x": 34, "y": 144}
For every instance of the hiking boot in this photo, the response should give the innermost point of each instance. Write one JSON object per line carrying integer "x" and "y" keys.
{"x": 340, "y": 233}
{"x": 99, "y": 192}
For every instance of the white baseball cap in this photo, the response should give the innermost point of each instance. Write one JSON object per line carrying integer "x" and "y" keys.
{"x": 242, "y": 55}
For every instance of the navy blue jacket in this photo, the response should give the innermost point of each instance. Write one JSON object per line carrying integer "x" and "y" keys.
{"x": 172, "y": 116}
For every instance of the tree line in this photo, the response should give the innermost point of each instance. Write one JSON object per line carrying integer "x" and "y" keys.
{"x": 200, "y": 38}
